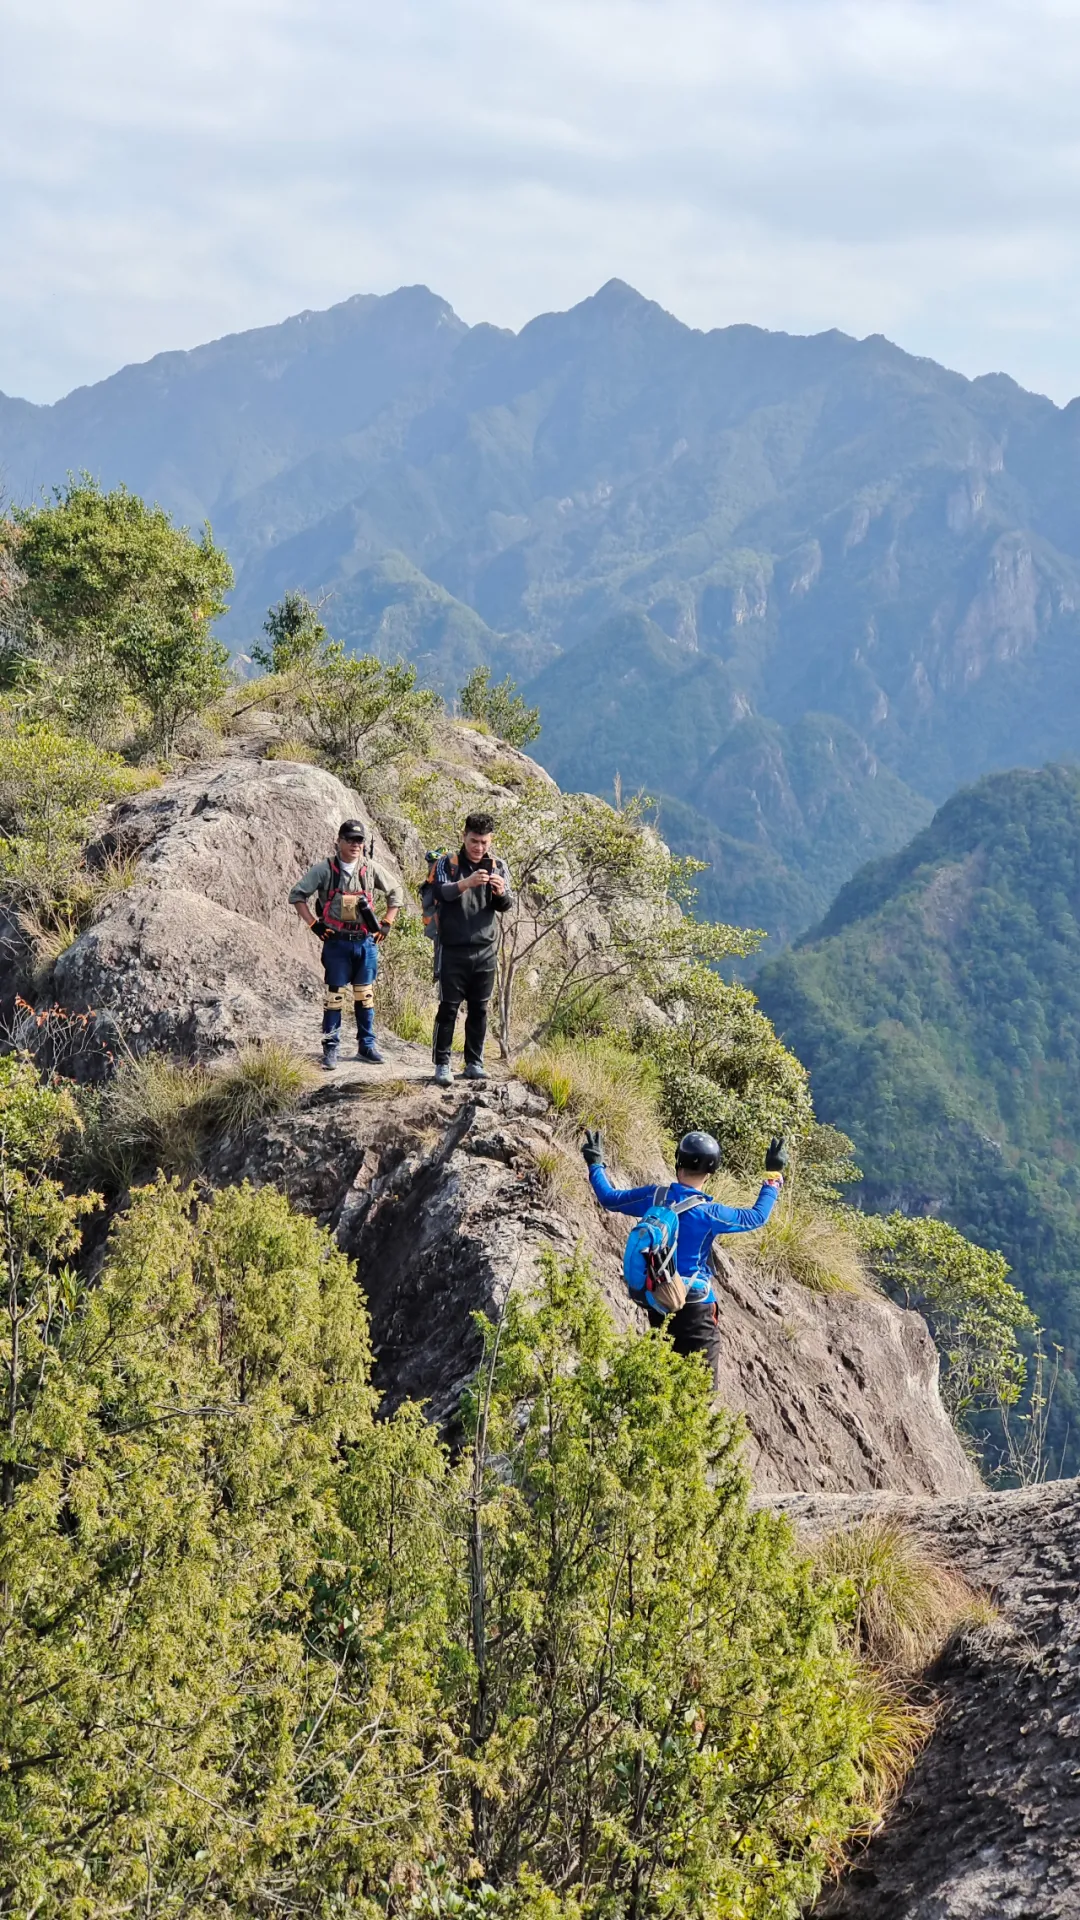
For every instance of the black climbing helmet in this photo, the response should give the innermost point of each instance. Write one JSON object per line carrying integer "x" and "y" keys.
{"x": 698, "y": 1152}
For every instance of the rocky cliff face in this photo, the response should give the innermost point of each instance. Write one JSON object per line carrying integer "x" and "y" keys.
{"x": 988, "y": 1827}
{"x": 445, "y": 1202}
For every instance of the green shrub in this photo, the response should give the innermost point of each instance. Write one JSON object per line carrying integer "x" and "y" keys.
{"x": 170, "y": 1694}
{"x": 723, "y": 1069}
{"x": 659, "y": 1692}
{"x": 297, "y": 636}
{"x": 974, "y": 1314}
{"x": 51, "y": 786}
{"x": 595, "y": 1083}
{"x": 499, "y": 708}
{"x": 359, "y": 712}
{"x": 596, "y": 1012}
{"x": 297, "y": 1659}
{"x": 172, "y": 663}
{"x": 405, "y": 993}
{"x": 120, "y": 601}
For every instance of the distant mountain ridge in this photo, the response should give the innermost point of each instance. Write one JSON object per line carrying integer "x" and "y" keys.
{"x": 938, "y": 1009}
{"x": 788, "y": 526}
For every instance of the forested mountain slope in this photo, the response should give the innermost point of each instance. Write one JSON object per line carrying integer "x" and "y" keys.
{"x": 810, "y": 526}
{"x": 938, "y": 1008}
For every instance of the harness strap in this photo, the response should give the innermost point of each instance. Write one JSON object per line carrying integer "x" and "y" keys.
{"x": 662, "y": 1198}
{"x": 336, "y": 876}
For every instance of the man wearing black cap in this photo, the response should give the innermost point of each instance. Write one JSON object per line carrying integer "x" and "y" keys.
{"x": 344, "y": 919}
{"x": 695, "y": 1327}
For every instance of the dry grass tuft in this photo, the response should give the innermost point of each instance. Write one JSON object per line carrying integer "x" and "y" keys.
{"x": 558, "y": 1170}
{"x": 897, "y": 1729}
{"x": 594, "y": 1083}
{"x": 52, "y": 926}
{"x": 907, "y": 1608}
{"x": 907, "y": 1605}
{"x": 266, "y": 1078}
{"x": 505, "y": 773}
{"x": 812, "y": 1247}
{"x": 162, "y": 1113}
{"x": 292, "y": 749}
{"x": 152, "y": 1114}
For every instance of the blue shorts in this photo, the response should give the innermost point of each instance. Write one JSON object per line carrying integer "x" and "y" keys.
{"x": 349, "y": 963}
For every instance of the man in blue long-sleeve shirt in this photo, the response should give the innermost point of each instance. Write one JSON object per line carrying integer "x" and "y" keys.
{"x": 694, "y": 1328}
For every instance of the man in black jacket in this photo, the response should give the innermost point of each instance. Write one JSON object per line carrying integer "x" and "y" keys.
{"x": 471, "y": 892}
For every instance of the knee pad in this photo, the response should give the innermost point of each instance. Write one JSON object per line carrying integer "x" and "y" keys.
{"x": 364, "y": 996}
{"x": 334, "y": 999}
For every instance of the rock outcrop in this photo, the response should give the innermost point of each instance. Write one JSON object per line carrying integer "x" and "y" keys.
{"x": 445, "y": 1201}
{"x": 839, "y": 1390}
{"x": 988, "y": 1827}
{"x": 204, "y": 951}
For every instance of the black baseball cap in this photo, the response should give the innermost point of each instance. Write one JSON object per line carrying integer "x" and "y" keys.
{"x": 352, "y": 830}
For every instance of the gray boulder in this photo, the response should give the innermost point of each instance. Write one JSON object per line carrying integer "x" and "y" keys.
{"x": 204, "y": 952}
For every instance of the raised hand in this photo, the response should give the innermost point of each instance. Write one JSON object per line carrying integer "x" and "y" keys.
{"x": 776, "y": 1160}
{"x": 592, "y": 1149}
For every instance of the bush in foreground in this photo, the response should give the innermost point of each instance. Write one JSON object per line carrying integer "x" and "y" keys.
{"x": 261, "y": 1652}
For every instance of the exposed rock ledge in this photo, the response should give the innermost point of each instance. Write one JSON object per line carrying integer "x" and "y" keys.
{"x": 441, "y": 1201}
{"x": 988, "y": 1827}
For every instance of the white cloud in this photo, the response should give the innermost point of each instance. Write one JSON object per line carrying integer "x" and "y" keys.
{"x": 909, "y": 167}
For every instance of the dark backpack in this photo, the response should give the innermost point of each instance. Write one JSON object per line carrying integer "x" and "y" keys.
{"x": 442, "y": 867}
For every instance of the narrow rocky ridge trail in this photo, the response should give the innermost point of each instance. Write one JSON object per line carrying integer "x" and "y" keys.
{"x": 447, "y": 1200}
{"x": 988, "y": 1827}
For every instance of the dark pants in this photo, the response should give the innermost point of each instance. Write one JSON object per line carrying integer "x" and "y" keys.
{"x": 350, "y": 967}
{"x": 694, "y": 1329}
{"x": 465, "y": 973}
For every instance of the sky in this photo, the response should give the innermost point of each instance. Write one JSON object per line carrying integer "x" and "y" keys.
{"x": 907, "y": 167}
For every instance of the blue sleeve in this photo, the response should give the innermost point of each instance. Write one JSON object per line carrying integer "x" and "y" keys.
{"x": 635, "y": 1200}
{"x": 740, "y": 1219}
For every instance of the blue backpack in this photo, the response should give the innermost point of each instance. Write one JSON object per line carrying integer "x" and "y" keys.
{"x": 649, "y": 1257}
